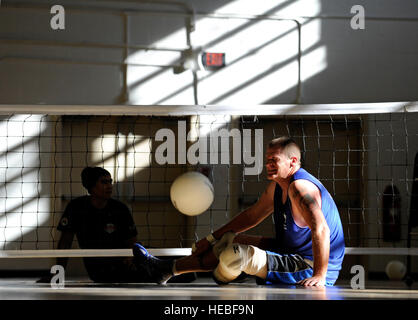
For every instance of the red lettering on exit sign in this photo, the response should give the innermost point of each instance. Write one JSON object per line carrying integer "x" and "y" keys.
{"x": 212, "y": 60}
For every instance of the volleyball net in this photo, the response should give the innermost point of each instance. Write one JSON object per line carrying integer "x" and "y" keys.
{"x": 364, "y": 154}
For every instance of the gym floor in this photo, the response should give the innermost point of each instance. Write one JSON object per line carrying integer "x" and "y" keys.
{"x": 200, "y": 289}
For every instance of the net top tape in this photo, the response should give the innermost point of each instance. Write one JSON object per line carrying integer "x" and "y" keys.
{"x": 190, "y": 110}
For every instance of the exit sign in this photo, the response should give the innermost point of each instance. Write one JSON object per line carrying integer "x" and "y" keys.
{"x": 211, "y": 60}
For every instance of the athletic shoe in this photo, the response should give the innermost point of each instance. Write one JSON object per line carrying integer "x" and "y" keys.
{"x": 159, "y": 271}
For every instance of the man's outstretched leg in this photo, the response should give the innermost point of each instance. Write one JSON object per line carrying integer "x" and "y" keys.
{"x": 160, "y": 271}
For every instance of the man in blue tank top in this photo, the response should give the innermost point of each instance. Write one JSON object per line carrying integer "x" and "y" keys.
{"x": 309, "y": 245}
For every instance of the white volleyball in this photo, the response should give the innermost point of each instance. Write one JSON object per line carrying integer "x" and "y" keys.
{"x": 192, "y": 193}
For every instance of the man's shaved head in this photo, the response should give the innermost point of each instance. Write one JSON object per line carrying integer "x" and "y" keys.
{"x": 287, "y": 146}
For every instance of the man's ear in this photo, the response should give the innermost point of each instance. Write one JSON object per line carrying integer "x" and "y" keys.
{"x": 294, "y": 161}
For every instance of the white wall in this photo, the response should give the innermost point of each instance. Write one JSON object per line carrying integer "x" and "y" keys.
{"x": 27, "y": 201}
{"x": 375, "y": 64}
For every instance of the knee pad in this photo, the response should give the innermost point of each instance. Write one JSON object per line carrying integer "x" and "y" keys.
{"x": 237, "y": 258}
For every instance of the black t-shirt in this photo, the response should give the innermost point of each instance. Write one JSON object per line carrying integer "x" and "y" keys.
{"x": 107, "y": 228}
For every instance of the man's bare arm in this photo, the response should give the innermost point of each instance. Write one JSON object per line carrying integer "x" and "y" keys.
{"x": 306, "y": 197}
{"x": 245, "y": 220}
{"x": 251, "y": 216}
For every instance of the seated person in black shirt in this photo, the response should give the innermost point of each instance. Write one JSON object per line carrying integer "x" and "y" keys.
{"x": 100, "y": 222}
